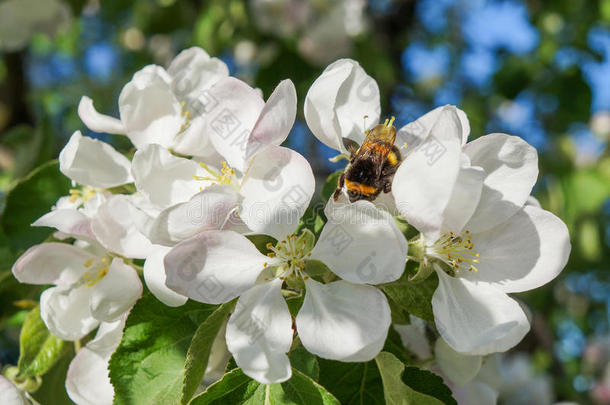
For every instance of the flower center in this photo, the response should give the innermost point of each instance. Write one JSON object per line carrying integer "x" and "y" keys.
{"x": 97, "y": 268}
{"x": 225, "y": 176}
{"x": 456, "y": 251}
{"x": 291, "y": 254}
{"x": 85, "y": 194}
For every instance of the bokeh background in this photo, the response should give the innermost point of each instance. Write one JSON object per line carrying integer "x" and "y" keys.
{"x": 539, "y": 69}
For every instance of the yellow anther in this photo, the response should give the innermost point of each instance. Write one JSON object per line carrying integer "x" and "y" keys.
{"x": 89, "y": 262}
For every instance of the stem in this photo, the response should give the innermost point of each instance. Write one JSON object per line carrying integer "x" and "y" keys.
{"x": 77, "y": 346}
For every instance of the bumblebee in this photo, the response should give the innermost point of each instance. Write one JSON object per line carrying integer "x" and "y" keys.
{"x": 371, "y": 166}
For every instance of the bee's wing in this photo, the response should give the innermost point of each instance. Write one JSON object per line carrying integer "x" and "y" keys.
{"x": 351, "y": 146}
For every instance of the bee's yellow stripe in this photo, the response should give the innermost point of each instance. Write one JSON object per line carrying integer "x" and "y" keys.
{"x": 360, "y": 188}
{"x": 392, "y": 158}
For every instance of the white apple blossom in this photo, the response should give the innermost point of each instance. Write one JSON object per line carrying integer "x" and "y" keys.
{"x": 166, "y": 107}
{"x": 345, "y": 320}
{"x": 478, "y": 233}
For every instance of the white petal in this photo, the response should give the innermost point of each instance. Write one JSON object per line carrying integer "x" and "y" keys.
{"x": 69, "y": 221}
{"x": 361, "y": 243}
{"x": 206, "y": 210}
{"x": 88, "y": 380}
{"x": 230, "y": 122}
{"x": 163, "y": 178}
{"x": 525, "y": 252}
{"x": 413, "y": 337}
{"x": 9, "y": 394}
{"x": 51, "y": 263}
{"x": 459, "y": 368}
{"x": 93, "y": 163}
{"x": 343, "y": 321}
{"x": 98, "y": 122}
{"x": 116, "y": 293}
{"x": 276, "y": 118}
{"x": 476, "y": 318}
{"x": 259, "y": 333}
{"x": 149, "y": 110}
{"x": 511, "y": 165}
{"x": 193, "y": 72}
{"x": 476, "y": 392}
{"x": 464, "y": 198}
{"x": 155, "y": 277}
{"x": 277, "y": 189}
{"x": 108, "y": 336}
{"x": 320, "y": 103}
{"x": 193, "y": 140}
{"x": 214, "y": 266}
{"x": 66, "y": 313}
{"x": 115, "y": 229}
{"x": 425, "y": 179}
{"x": 416, "y": 132}
{"x": 219, "y": 357}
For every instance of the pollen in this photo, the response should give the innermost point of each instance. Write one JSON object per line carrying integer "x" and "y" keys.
{"x": 456, "y": 251}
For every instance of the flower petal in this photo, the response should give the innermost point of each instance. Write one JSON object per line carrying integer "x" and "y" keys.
{"x": 413, "y": 337}
{"x": 525, "y": 252}
{"x": 259, "y": 333}
{"x": 193, "y": 72}
{"x": 425, "y": 179}
{"x": 164, "y": 178}
{"x": 98, "y": 122}
{"x": 149, "y": 109}
{"x": 361, "y": 243}
{"x": 206, "y": 210}
{"x": 51, "y": 263}
{"x": 94, "y": 163}
{"x": 343, "y": 321}
{"x": 464, "y": 198}
{"x": 476, "y": 318}
{"x": 115, "y": 229}
{"x": 69, "y": 221}
{"x": 511, "y": 165}
{"x": 66, "y": 313}
{"x": 459, "y": 368}
{"x": 234, "y": 114}
{"x": 214, "y": 266}
{"x": 9, "y": 393}
{"x": 276, "y": 118}
{"x": 337, "y": 102}
{"x": 116, "y": 293}
{"x": 155, "y": 277}
{"x": 320, "y": 103}
{"x": 277, "y": 189}
{"x": 88, "y": 380}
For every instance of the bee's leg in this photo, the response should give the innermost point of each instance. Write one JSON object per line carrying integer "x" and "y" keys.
{"x": 387, "y": 187}
{"x": 340, "y": 183}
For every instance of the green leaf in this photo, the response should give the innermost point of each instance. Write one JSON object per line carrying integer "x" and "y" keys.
{"x": 39, "y": 349}
{"x": 352, "y": 383}
{"x": 53, "y": 388}
{"x": 199, "y": 350}
{"x": 330, "y": 185}
{"x": 28, "y": 200}
{"x": 413, "y": 298}
{"x": 305, "y": 362}
{"x": 237, "y": 388}
{"x": 148, "y": 366}
{"x": 410, "y": 385}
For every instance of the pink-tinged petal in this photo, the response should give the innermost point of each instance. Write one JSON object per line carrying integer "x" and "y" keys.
{"x": 68, "y": 221}
{"x": 276, "y": 191}
{"x": 65, "y": 312}
{"x": 206, "y": 210}
{"x": 527, "y": 251}
{"x": 476, "y": 318}
{"x": 149, "y": 109}
{"x": 155, "y": 277}
{"x": 193, "y": 72}
{"x": 343, "y": 321}
{"x": 115, "y": 229}
{"x": 214, "y": 266}
{"x": 424, "y": 181}
{"x": 259, "y": 333}
{"x": 276, "y": 119}
{"x": 94, "y": 163}
{"x": 233, "y": 113}
{"x": 9, "y": 393}
{"x": 98, "y": 122}
{"x": 116, "y": 293}
{"x": 51, "y": 263}
{"x": 361, "y": 243}
{"x": 511, "y": 165}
